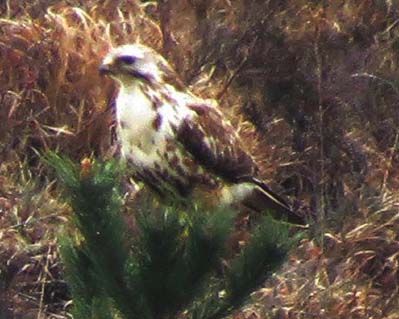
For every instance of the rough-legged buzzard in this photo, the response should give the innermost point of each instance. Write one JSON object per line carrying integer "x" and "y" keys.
{"x": 177, "y": 143}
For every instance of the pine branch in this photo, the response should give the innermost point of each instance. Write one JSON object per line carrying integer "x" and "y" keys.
{"x": 265, "y": 252}
{"x": 169, "y": 266}
{"x": 95, "y": 199}
{"x": 176, "y": 251}
{"x": 88, "y": 299}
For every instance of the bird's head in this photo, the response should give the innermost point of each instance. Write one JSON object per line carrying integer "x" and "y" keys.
{"x": 131, "y": 63}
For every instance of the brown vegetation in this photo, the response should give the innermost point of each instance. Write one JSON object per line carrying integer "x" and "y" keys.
{"x": 317, "y": 80}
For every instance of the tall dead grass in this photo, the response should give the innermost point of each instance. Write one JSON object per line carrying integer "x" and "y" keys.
{"x": 282, "y": 70}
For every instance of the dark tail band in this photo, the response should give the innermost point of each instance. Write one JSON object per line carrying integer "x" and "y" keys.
{"x": 262, "y": 198}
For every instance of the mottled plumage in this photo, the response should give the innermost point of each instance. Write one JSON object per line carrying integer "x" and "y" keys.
{"x": 177, "y": 143}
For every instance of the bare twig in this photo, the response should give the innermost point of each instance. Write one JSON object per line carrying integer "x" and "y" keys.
{"x": 43, "y": 275}
{"x": 389, "y": 166}
{"x": 319, "y": 67}
{"x": 237, "y": 70}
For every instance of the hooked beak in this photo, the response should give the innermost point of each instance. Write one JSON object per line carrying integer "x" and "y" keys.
{"x": 105, "y": 69}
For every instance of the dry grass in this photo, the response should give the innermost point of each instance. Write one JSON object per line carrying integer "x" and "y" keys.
{"x": 314, "y": 83}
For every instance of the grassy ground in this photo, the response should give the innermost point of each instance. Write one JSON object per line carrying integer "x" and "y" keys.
{"x": 315, "y": 81}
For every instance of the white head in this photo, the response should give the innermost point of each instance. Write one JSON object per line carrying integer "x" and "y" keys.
{"x": 130, "y": 63}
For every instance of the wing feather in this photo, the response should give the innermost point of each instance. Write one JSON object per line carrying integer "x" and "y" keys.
{"x": 213, "y": 143}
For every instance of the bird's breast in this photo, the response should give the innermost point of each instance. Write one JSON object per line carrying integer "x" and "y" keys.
{"x": 144, "y": 125}
{"x": 134, "y": 115}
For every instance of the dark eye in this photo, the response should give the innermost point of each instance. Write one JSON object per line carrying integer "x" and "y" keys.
{"x": 127, "y": 59}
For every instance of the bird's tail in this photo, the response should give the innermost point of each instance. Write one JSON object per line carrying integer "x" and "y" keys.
{"x": 262, "y": 198}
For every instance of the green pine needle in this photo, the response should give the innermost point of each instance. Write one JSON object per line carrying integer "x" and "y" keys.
{"x": 172, "y": 265}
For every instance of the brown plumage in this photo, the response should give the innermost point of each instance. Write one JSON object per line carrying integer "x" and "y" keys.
{"x": 178, "y": 143}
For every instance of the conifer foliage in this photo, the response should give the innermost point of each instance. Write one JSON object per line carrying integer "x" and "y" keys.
{"x": 171, "y": 267}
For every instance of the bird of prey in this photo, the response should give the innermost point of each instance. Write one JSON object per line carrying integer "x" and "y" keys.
{"x": 177, "y": 143}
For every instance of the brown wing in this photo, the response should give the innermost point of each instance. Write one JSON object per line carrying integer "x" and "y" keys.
{"x": 214, "y": 144}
